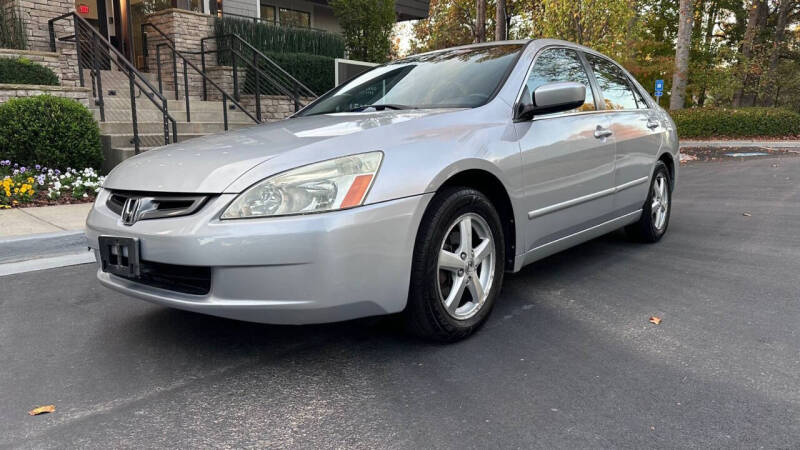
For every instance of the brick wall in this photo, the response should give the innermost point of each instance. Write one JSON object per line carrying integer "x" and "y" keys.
{"x": 9, "y": 91}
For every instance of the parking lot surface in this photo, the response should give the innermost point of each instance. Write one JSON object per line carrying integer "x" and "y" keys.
{"x": 568, "y": 358}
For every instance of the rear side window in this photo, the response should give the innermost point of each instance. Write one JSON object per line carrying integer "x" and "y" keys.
{"x": 617, "y": 92}
{"x": 557, "y": 65}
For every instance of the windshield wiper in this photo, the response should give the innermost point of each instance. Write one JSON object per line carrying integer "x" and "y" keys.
{"x": 381, "y": 107}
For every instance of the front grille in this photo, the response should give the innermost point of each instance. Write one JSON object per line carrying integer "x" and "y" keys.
{"x": 194, "y": 280}
{"x": 151, "y": 205}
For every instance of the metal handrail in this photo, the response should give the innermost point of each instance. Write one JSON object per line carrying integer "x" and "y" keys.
{"x": 308, "y": 92}
{"x": 289, "y": 86}
{"x": 125, "y": 67}
{"x": 169, "y": 43}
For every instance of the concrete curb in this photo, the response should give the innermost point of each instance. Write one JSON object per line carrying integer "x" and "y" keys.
{"x": 43, "y": 245}
{"x": 741, "y": 144}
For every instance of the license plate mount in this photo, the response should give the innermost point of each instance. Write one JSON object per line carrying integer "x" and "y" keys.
{"x": 119, "y": 255}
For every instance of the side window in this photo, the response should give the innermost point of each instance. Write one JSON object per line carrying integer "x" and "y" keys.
{"x": 617, "y": 93}
{"x": 557, "y": 65}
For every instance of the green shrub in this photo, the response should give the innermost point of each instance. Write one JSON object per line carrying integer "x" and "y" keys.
{"x": 23, "y": 71}
{"x": 51, "y": 131}
{"x": 742, "y": 122}
{"x": 315, "y": 72}
{"x": 279, "y": 39}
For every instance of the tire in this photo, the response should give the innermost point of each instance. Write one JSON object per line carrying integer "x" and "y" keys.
{"x": 657, "y": 208}
{"x": 437, "y": 277}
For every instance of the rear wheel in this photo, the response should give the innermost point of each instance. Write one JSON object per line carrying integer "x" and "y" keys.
{"x": 656, "y": 211}
{"x": 458, "y": 266}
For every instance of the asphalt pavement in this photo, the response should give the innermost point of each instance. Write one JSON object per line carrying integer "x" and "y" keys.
{"x": 568, "y": 358}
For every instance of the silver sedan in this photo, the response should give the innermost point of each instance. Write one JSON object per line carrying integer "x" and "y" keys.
{"x": 410, "y": 189}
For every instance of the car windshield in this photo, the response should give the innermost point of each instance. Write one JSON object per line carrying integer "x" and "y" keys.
{"x": 455, "y": 78}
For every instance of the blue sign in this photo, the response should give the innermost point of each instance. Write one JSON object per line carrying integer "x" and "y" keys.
{"x": 659, "y": 93}
{"x": 659, "y": 85}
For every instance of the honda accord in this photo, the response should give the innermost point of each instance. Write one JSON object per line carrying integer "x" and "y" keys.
{"x": 413, "y": 188}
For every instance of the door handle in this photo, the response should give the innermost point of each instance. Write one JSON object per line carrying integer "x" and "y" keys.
{"x": 601, "y": 132}
{"x": 653, "y": 124}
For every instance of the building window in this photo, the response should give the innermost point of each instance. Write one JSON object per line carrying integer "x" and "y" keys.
{"x": 267, "y": 13}
{"x": 294, "y": 18}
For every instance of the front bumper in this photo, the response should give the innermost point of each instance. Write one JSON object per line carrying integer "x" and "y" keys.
{"x": 285, "y": 270}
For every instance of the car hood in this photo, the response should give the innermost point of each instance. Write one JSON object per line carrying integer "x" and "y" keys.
{"x": 211, "y": 163}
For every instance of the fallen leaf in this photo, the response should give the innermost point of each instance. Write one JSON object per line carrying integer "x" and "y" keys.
{"x": 746, "y": 214}
{"x": 655, "y": 320}
{"x": 42, "y": 410}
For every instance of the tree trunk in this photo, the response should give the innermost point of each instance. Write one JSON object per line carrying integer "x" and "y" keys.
{"x": 681, "y": 71}
{"x": 500, "y": 21}
{"x": 777, "y": 48}
{"x": 480, "y": 21}
{"x": 711, "y": 22}
{"x": 754, "y": 10}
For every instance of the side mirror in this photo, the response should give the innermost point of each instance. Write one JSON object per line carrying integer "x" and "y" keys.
{"x": 551, "y": 98}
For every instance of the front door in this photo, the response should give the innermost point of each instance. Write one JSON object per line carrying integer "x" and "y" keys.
{"x": 567, "y": 158}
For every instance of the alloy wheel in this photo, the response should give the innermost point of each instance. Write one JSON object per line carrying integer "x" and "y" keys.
{"x": 660, "y": 202}
{"x": 465, "y": 267}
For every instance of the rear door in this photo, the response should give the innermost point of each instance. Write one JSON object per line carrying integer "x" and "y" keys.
{"x": 637, "y": 132}
{"x": 567, "y": 157}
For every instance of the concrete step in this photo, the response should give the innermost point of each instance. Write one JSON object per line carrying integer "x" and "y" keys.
{"x": 142, "y": 103}
{"x": 184, "y": 128}
{"x": 154, "y": 115}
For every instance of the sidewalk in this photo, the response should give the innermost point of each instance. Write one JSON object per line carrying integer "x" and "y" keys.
{"x": 46, "y": 219}
{"x": 43, "y": 238}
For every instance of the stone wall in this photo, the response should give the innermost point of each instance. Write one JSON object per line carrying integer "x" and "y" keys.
{"x": 273, "y": 107}
{"x": 185, "y": 28}
{"x": 9, "y": 91}
{"x": 36, "y": 13}
{"x": 62, "y": 63}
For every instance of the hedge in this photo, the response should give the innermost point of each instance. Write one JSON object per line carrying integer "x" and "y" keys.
{"x": 23, "y": 71}
{"x": 50, "y": 131}
{"x": 281, "y": 39}
{"x": 316, "y": 72}
{"x": 741, "y": 122}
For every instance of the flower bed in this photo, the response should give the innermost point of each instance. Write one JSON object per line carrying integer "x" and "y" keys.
{"x": 22, "y": 186}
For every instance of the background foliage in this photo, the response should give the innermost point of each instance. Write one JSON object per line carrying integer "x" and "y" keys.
{"x": 367, "y": 26}
{"x": 729, "y": 66}
{"x": 51, "y": 131}
{"x": 277, "y": 39}
{"x": 23, "y": 71}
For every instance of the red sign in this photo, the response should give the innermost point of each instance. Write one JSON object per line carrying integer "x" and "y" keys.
{"x": 83, "y": 9}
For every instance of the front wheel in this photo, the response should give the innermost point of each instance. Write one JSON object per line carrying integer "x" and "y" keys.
{"x": 458, "y": 266}
{"x": 656, "y": 211}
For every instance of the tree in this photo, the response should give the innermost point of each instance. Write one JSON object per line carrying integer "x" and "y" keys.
{"x": 755, "y": 9}
{"x": 367, "y": 27}
{"x": 681, "y": 73}
{"x": 480, "y": 21}
{"x": 500, "y": 20}
{"x": 778, "y": 45}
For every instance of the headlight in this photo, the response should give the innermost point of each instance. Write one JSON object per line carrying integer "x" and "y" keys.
{"x": 325, "y": 186}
